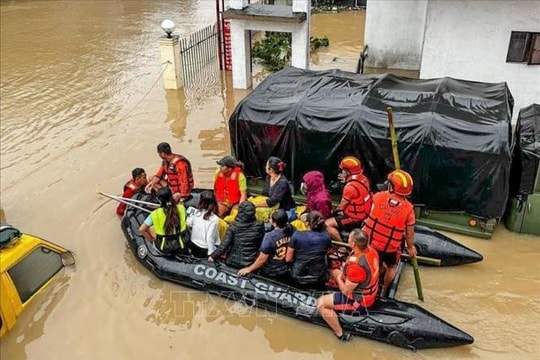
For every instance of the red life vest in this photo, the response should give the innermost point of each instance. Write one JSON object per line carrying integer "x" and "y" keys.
{"x": 227, "y": 189}
{"x": 131, "y": 186}
{"x": 366, "y": 292}
{"x": 359, "y": 207}
{"x": 386, "y": 224}
{"x": 172, "y": 175}
{"x": 129, "y": 189}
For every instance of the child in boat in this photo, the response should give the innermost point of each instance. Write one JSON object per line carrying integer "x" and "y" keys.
{"x": 138, "y": 182}
{"x": 307, "y": 252}
{"x": 273, "y": 249}
{"x": 204, "y": 225}
{"x": 242, "y": 239}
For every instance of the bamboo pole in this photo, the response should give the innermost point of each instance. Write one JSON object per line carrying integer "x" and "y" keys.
{"x": 395, "y": 153}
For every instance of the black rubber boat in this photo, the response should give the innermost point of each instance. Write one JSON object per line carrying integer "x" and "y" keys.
{"x": 391, "y": 321}
{"x": 433, "y": 244}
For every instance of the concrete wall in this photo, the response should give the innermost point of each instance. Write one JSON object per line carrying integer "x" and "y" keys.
{"x": 469, "y": 40}
{"x": 394, "y": 33}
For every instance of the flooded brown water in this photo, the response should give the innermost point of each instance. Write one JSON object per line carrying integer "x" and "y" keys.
{"x": 82, "y": 104}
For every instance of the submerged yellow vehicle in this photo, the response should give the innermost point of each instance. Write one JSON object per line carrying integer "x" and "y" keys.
{"x": 27, "y": 265}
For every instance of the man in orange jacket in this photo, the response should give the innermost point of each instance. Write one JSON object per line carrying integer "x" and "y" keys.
{"x": 230, "y": 185}
{"x": 174, "y": 172}
{"x": 390, "y": 221}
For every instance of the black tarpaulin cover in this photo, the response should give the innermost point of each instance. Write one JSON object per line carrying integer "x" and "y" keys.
{"x": 526, "y": 150}
{"x": 453, "y": 135}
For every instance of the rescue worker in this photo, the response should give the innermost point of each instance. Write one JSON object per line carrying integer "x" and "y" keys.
{"x": 391, "y": 219}
{"x": 138, "y": 181}
{"x": 230, "y": 185}
{"x": 169, "y": 224}
{"x": 358, "y": 283}
{"x": 174, "y": 172}
{"x": 356, "y": 199}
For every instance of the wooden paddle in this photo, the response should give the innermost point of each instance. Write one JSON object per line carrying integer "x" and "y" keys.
{"x": 395, "y": 153}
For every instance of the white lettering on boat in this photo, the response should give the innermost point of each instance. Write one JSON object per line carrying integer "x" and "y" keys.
{"x": 282, "y": 294}
{"x": 214, "y": 274}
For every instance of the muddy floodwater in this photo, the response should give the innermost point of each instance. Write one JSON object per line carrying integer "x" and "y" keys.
{"x": 82, "y": 103}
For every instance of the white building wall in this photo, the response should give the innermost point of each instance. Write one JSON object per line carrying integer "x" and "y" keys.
{"x": 469, "y": 39}
{"x": 394, "y": 33}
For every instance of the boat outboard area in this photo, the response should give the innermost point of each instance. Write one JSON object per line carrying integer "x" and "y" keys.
{"x": 391, "y": 321}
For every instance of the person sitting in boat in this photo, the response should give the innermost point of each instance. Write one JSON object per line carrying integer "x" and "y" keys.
{"x": 174, "y": 172}
{"x": 242, "y": 239}
{"x": 273, "y": 249}
{"x": 317, "y": 197}
{"x": 307, "y": 252}
{"x": 168, "y": 223}
{"x": 358, "y": 284}
{"x": 390, "y": 220}
{"x": 230, "y": 185}
{"x": 204, "y": 225}
{"x": 138, "y": 181}
{"x": 355, "y": 202}
{"x": 277, "y": 188}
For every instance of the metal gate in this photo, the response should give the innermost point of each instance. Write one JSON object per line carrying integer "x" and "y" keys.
{"x": 199, "y": 55}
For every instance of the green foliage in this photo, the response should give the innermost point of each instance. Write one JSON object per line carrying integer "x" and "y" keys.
{"x": 274, "y": 51}
{"x": 317, "y": 43}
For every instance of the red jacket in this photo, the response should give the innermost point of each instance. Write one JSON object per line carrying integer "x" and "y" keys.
{"x": 129, "y": 189}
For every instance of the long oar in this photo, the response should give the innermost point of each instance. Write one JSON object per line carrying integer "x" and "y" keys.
{"x": 120, "y": 199}
{"x": 116, "y": 197}
{"x": 395, "y": 153}
{"x": 421, "y": 259}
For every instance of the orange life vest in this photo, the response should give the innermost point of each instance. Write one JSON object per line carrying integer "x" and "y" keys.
{"x": 172, "y": 175}
{"x": 227, "y": 189}
{"x": 369, "y": 261}
{"x": 359, "y": 207}
{"x": 386, "y": 224}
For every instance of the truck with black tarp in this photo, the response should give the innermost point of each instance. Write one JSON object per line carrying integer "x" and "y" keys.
{"x": 454, "y": 137}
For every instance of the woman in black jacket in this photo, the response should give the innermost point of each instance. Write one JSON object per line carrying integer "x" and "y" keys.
{"x": 242, "y": 239}
{"x": 277, "y": 188}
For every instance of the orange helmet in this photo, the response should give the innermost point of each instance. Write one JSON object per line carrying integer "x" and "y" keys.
{"x": 402, "y": 182}
{"x": 351, "y": 164}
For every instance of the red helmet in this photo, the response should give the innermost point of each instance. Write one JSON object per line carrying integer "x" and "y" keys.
{"x": 402, "y": 182}
{"x": 351, "y": 164}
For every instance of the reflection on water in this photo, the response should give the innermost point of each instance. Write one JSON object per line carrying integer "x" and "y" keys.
{"x": 31, "y": 323}
{"x": 82, "y": 104}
